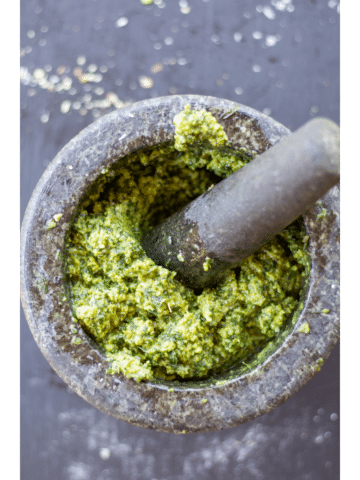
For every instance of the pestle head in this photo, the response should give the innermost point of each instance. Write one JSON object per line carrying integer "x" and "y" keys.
{"x": 241, "y": 213}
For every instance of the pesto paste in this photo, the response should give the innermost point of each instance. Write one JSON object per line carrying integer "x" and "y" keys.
{"x": 147, "y": 323}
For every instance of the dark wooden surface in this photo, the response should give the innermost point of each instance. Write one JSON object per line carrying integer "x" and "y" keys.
{"x": 281, "y": 57}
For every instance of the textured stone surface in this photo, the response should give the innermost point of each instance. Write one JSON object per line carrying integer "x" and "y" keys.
{"x": 282, "y": 368}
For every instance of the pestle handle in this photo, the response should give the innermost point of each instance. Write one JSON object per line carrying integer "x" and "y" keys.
{"x": 244, "y": 211}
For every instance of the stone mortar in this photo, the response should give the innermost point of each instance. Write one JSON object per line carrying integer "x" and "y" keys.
{"x": 278, "y": 372}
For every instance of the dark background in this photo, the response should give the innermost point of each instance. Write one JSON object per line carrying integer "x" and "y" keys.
{"x": 84, "y": 58}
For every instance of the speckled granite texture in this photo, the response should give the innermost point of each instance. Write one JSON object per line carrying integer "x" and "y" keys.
{"x": 283, "y": 366}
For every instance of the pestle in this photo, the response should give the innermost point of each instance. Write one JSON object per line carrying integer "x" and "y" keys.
{"x": 241, "y": 213}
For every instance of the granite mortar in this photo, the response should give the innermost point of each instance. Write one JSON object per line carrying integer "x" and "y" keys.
{"x": 281, "y": 369}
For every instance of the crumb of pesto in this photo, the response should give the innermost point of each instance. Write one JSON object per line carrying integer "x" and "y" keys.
{"x": 122, "y": 361}
{"x": 181, "y": 257}
{"x": 77, "y": 341}
{"x": 326, "y": 310}
{"x": 197, "y": 126}
{"x": 321, "y": 215}
{"x": 41, "y": 283}
{"x": 203, "y": 400}
{"x": 305, "y": 328}
{"x": 50, "y": 224}
{"x": 221, "y": 382}
{"x": 317, "y": 365}
{"x": 207, "y": 264}
{"x": 149, "y": 324}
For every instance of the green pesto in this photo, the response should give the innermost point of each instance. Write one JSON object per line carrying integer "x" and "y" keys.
{"x": 317, "y": 366}
{"x": 207, "y": 264}
{"x": 41, "y": 283}
{"x": 148, "y": 324}
{"x": 197, "y": 126}
{"x": 50, "y": 224}
{"x": 181, "y": 257}
{"x": 305, "y": 328}
{"x": 321, "y": 215}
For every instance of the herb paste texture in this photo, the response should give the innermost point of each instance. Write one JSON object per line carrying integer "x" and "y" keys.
{"x": 147, "y": 323}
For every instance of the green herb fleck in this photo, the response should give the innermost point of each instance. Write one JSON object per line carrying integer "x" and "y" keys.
{"x": 207, "y": 264}
{"x": 317, "y": 365}
{"x": 305, "y": 328}
{"x": 321, "y": 215}
{"x": 51, "y": 224}
{"x": 229, "y": 113}
{"x": 326, "y": 310}
{"x": 77, "y": 341}
{"x": 57, "y": 217}
{"x": 221, "y": 382}
{"x": 42, "y": 283}
{"x": 181, "y": 257}
{"x": 204, "y": 400}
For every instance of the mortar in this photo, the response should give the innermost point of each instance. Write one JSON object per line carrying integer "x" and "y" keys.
{"x": 246, "y": 392}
